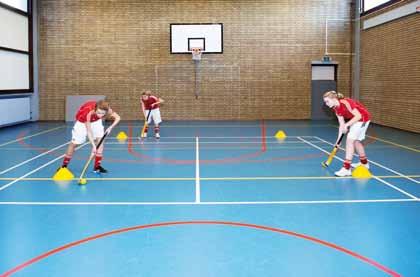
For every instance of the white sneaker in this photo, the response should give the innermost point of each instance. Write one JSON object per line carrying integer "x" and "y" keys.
{"x": 144, "y": 135}
{"x": 343, "y": 172}
{"x": 359, "y": 164}
{"x": 157, "y": 135}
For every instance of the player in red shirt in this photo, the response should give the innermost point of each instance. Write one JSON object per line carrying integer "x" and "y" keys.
{"x": 358, "y": 119}
{"x": 89, "y": 124}
{"x": 151, "y": 103}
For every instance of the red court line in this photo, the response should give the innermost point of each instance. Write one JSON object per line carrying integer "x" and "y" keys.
{"x": 245, "y": 158}
{"x": 239, "y": 158}
{"x": 146, "y": 158}
{"x": 263, "y": 136}
{"x": 235, "y": 224}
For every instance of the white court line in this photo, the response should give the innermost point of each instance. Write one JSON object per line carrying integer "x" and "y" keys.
{"x": 281, "y": 145}
{"x": 34, "y": 135}
{"x": 197, "y": 172}
{"x": 238, "y": 137}
{"x": 378, "y": 164}
{"x": 37, "y": 169}
{"x": 208, "y": 147}
{"x": 33, "y": 158}
{"x": 210, "y": 142}
{"x": 207, "y": 203}
{"x": 233, "y": 126}
{"x": 375, "y": 177}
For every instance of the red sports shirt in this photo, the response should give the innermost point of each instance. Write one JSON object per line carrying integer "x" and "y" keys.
{"x": 343, "y": 111}
{"x": 83, "y": 111}
{"x": 148, "y": 103}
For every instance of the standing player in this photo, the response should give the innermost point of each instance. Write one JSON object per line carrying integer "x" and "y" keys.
{"x": 89, "y": 124}
{"x": 151, "y": 103}
{"x": 358, "y": 119}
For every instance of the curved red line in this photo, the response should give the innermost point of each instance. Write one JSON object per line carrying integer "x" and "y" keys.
{"x": 147, "y": 158}
{"x": 236, "y": 224}
{"x": 216, "y": 161}
{"x": 242, "y": 158}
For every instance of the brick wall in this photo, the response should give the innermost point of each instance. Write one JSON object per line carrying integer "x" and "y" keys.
{"x": 390, "y": 72}
{"x": 118, "y": 48}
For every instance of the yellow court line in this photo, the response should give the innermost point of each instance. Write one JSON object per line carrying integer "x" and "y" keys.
{"x": 395, "y": 144}
{"x": 99, "y": 179}
{"x": 213, "y": 178}
{"x": 302, "y": 177}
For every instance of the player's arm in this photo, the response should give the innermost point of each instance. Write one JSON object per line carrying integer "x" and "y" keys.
{"x": 116, "y": 119}
{"x": 341, "y": 129}
{"x": 89, "y": 129}
{"x": 158, "y": 101}
{"x": 143, "y": 108}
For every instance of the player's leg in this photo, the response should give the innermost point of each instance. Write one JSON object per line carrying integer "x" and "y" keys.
{"x": 156, "y": 120}
{"x": 98, "y": 132}
{"x": 352, "y": 136}
{"x": 78, "y": 137}
{"x": 360, "y": 149}
{"x": 345, "y": 170}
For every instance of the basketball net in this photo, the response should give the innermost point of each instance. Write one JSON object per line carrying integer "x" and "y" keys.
{"x": 196, "y": 53}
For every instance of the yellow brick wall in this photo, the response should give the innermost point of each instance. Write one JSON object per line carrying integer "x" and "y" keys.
{"x": 118, "y": 48}
{"x": 390, "y": 72}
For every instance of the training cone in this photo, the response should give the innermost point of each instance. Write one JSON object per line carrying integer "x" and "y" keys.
{"x": 121, "y": 136}
{"x": 280, "y": 134}
{"x": 361, "y": 172}
{"x": 63, "y": 174}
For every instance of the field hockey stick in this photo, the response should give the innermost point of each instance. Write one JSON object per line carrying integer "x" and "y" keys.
{"x": 333, "y": 152}
{"x": 82, "y": 181}
{"x": 145, "y": 123}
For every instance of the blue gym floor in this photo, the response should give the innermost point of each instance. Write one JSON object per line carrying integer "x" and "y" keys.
{"x": 209, "y": 199}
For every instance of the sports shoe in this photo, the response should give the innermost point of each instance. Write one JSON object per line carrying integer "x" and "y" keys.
{"x": 157, "y": 136}
{"x": 144, "y": 135}
{"x": 343, "y": 172}
{"x": 63, "y": 166}
{"x": 100, "y": 169}
{"x": 359, "y": 164}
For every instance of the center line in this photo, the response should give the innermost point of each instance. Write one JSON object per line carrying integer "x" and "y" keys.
{"x": 197, "y": 172}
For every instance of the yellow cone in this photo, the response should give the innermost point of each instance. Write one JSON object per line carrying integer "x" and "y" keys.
{"x": 280, "y": 134}
{"x": 121, "y": 136}
{"x": 63, "y": 174}
{"x": 361, "y": 172}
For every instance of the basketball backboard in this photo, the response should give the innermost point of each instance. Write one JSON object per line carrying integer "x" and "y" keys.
{"x": 207, "y": 36}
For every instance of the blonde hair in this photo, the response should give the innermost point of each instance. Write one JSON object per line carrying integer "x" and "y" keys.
{"x": 102, "y": 105}
{"x": 333, "y": 94}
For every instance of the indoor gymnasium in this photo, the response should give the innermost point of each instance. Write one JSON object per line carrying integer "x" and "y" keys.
{"x": 210, "y": 138}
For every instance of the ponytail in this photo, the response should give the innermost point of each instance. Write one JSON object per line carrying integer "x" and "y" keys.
{"x": 333, "y": 94}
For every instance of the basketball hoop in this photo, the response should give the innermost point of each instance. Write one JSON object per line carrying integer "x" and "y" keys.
{"x": 196, "y": 53}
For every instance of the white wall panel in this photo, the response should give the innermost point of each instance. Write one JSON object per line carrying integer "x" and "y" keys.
{"x": 14, "y": 110}
{"x": 14, "y": 70}
{"x": 18, "y": 4}
{"x": 13, "y": 30}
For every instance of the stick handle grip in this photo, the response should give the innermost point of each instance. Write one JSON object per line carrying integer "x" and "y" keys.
{"x": 145, "y": 123}
{"x": 339, "y": 140}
